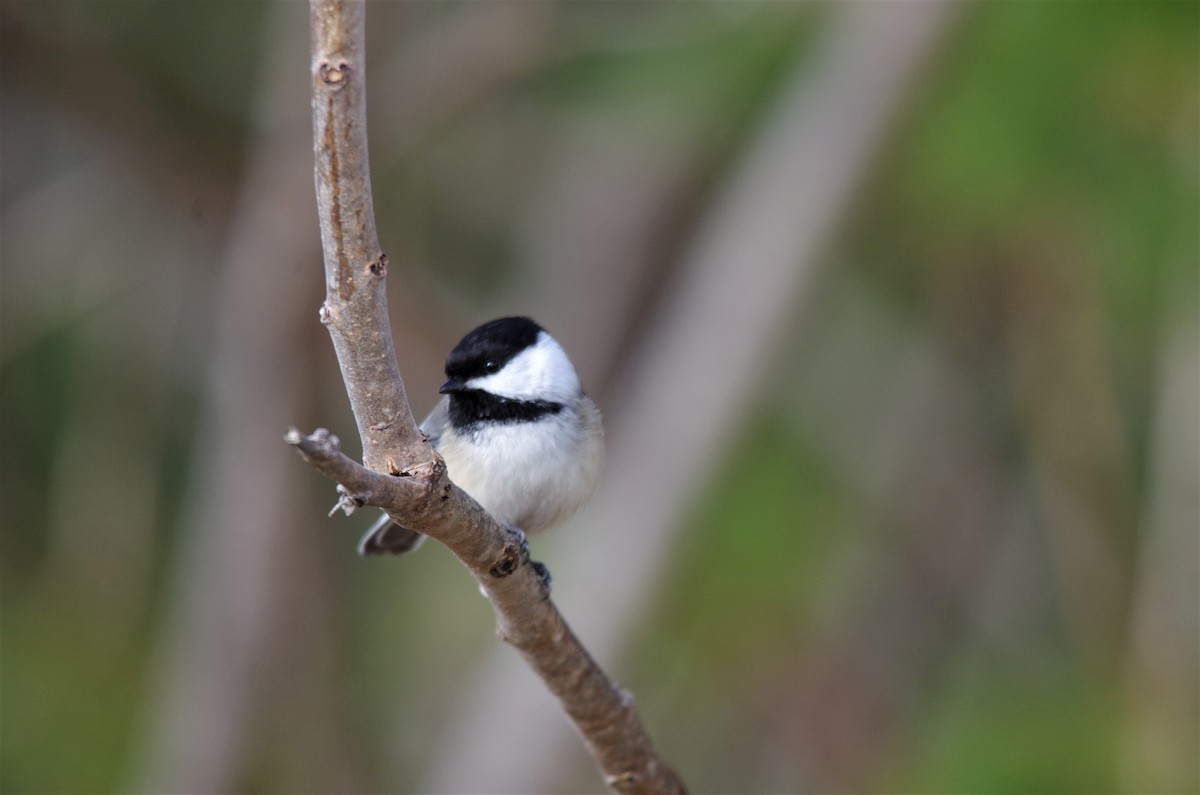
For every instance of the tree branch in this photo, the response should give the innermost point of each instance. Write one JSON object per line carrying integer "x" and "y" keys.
{"x": 355, "y": 308}
{"x": 421, "y": 495}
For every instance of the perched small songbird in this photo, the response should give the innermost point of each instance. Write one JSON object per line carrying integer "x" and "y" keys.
{"x": 515, "y": 428}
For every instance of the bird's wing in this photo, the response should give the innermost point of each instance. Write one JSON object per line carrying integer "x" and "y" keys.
{"x": 437, "y": 422}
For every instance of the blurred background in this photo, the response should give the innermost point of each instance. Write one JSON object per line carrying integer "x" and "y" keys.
{"x": 891, "y": 308}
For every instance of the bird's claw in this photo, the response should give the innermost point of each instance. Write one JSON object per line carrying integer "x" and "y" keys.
{"x": 544, "y": 574}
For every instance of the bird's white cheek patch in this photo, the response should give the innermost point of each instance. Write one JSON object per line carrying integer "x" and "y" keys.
{"x": 540, "y": 372}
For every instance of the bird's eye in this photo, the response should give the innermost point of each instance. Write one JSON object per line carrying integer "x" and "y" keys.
{"x": 491, "y": 365}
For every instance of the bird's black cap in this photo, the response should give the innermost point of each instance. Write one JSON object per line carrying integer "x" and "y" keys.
{"x": 489, "y": 347}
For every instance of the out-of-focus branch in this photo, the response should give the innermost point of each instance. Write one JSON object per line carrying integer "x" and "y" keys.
{"x": 456, "y": 64}
{"x": 244, "y": 588}
{"x": 1161, "y": 734}
{"x": 1080, "y": 468}
{"x": 421, "y": 496}
{"x": 911, "y": 422}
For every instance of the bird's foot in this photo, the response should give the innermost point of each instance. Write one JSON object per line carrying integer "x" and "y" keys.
{"x": 543, "y": 573}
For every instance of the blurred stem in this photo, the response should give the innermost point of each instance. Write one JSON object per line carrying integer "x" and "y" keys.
{"x": 236, "y": 610}
{"x": 1066, "y": 401}
{"x": 1162, "y": 730}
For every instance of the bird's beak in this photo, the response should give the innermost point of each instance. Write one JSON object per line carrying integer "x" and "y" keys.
{"x": 451, "y": 387}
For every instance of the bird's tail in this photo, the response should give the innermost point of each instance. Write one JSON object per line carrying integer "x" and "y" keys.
{"x": 388, "y": 538}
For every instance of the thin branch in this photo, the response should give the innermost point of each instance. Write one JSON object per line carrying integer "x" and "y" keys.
{"x": 421, "y": 495}
{"x": 355, "y": 308}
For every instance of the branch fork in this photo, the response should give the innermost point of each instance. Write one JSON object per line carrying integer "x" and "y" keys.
{"x": 401, "y": 472}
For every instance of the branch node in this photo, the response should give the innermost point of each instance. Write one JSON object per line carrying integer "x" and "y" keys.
{"x": 623, "y": 782}
{"x": 325, "y": 442}
{"x": 431, "y": 470}
{"x": 378, "y": 266}
{"x": 347, "y": 502}
{"x": 335, "y": 75}
{"x": 319, "y": 442}
{"x": 516, "y": 552}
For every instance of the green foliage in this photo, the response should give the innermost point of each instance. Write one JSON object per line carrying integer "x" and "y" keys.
{"x": 741, "y": 618}
{"x": 702, "y": 66}
{"x": 778, "y": 514}
{"x": 992, "y": 730}
{"x": 38, "y": 385}
{"x": 70, "y": 699}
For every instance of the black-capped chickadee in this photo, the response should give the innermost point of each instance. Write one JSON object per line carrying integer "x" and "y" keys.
{"x": 515, "y": 429}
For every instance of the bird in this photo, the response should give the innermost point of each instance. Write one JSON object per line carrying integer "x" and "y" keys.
{"x": 516, "y": 430}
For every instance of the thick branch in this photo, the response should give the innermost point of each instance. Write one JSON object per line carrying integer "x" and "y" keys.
{"x": 421, "y": 495}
